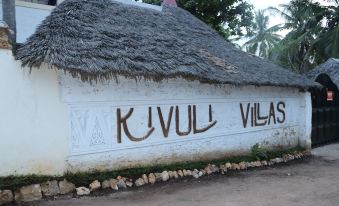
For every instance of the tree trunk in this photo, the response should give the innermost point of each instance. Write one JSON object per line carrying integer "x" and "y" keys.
{"x": 8, "y": 12}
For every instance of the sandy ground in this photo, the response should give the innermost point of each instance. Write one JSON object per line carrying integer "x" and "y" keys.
{"x": 310, "y": 182}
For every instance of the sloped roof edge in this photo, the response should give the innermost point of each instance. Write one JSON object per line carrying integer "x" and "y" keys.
{"x": 330, "y": 68}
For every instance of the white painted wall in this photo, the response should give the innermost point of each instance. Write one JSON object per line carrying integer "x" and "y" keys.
{"x": 28, "y": 17}
{"x": 52, "y": 122}
{"x": 33, "y": 124}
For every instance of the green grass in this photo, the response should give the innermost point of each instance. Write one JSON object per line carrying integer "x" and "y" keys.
{"x": 85, "y": 178}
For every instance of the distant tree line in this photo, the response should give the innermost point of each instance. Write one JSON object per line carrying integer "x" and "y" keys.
{"x": 313, "y": 29}
{"x": 312, "y": 38}
{"x": 227, "y": 17}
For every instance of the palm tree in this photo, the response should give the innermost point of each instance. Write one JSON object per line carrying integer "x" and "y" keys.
{"x": 8, "y": 12}
{"x": 304, "y": 20}
{"x": 327, "y": 43}
{"x": 263, "y": 39}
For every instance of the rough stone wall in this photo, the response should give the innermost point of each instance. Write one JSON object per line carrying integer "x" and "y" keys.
{"x": 4, "y": 43}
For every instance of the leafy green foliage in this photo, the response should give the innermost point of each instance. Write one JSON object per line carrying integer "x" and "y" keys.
{"x": 327, "y": 43}
{"x": 227, "y": 17}
{"x": 313, "y": 36}
{"x": 258, "y": 152}
{"x": 14, "y": 182}
{"x": 313, "y": 29}
{"x": 85, "y": 178}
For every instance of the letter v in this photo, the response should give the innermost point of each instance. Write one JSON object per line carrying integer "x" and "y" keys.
{"x": 245, "y": 119}
{"x": 165, "y": 129}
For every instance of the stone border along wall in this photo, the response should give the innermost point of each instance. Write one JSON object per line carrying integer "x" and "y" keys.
{"x": 54, "y": 188}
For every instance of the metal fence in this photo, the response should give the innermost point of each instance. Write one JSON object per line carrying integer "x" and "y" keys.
{"x": 325, "y": 125}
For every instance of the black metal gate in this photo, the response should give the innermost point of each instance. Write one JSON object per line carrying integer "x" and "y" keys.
{"x": 325, "y": 114}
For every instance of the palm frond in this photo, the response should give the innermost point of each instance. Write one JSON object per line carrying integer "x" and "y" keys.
{"x": 285, "y": 15}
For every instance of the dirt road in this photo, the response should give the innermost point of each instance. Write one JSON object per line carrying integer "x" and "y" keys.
{"x": 311, "y": 182}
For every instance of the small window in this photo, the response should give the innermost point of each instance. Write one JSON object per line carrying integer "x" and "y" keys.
{"x": 45, "y": 2}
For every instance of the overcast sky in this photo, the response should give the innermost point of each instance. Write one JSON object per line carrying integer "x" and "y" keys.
{"x": 263, "y": 4}
{"x": 274, "y": 20}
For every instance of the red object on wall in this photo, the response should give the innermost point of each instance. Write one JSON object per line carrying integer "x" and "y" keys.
{"x": 329, "y": 95}
{"x": 169, "y": 2}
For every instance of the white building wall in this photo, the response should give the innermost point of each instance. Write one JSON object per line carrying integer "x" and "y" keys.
{"x": 33, "y": 124}
{"x": 28, "y": 17}
{"x": 52, "y": 123}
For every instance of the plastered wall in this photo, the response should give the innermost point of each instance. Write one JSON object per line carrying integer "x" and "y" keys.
{"x": 51, "y": 123}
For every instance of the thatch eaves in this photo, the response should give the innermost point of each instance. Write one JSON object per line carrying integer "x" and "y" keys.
{"x": 330, "y": 68}
{"x": 101, "y": 39}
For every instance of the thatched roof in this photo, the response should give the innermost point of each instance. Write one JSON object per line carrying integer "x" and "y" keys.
{"x": 330, "y": 68}
{"x": 101, "y": 39}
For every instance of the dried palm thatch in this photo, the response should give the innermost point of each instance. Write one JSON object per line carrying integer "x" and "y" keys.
{"x": 330, "y": 68}
{"x": 102, "y": 39}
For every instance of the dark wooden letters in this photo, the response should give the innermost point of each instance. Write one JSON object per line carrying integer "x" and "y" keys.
{"x": 272, "y": 114}
{"x": 260, "y": 120}
{"x": 243, "y": 116}
{"x": 195, "y": 129}
{"x": 281, "y": 109}
{"x": 257, "y": 117}
{"x": 123, "y": 121}
{"x": 253, "y": 113}
{"x": 165, "y": 128}
{"x": 177, "y": 121}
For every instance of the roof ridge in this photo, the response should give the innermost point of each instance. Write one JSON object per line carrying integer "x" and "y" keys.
{"x": 334, "y": 59}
